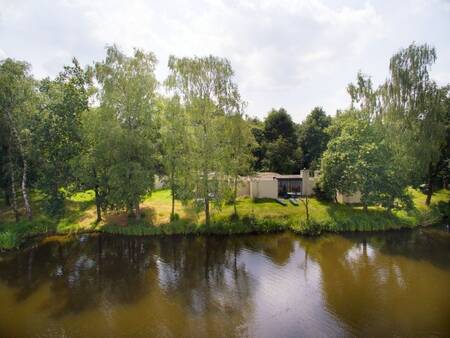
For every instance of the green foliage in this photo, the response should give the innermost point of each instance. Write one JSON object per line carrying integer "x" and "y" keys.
{"x": 128, "y": 106}
{"x": 238, "y": 147}
{"x": 358, "y": 159}
{"x": 280, "y": 151}
{"x": 175, "y": 139}
{"x": 57, "y": 131}
{"x": 313, "y": 138}
{"x": 17, "y": 107}
{"x": 8, "y": 240}
{"x": 255, "y": 217}
{"x": 321, "y": 193}
{"x": 416, "y": 114}
{"x": 210, "y": 97}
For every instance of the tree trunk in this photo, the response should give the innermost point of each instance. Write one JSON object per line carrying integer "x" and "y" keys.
{"x": 172, "y": 189}
{"x": 430, "y": 184}
{"x": 7, "y": 197}
{"x": 207, "y": 215}
{"x": 173, "y": 207}
{"x": 16, "y": 135}
{"x": 307, "y": 208}
{"x": 235, "y": 196}
{"x": 365, "y": 207}
{"x": 98, "y": 205}
{"x": 13, "y": 191}
{"x": 138, "y": 211}
{"x": 26, "y": 199}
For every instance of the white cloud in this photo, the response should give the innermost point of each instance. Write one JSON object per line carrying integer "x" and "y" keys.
{"x": 291, "y": 53}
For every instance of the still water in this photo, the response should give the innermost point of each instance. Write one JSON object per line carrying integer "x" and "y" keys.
{"x": 277, "y": 285}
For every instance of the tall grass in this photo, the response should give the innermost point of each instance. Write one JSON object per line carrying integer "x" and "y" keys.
{"x": 254, "y": 217}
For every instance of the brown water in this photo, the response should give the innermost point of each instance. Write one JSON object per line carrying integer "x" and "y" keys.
{"x": 277, "y": 285}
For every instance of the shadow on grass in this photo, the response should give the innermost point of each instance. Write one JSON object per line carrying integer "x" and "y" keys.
{"x": 348, "y": 218}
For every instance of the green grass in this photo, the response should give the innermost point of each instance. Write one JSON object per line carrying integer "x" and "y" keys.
{"x": 254, "y": 217}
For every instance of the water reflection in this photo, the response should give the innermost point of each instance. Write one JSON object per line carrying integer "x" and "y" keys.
{"x": 394, "y": 283}
{"x": 263, "y": 285}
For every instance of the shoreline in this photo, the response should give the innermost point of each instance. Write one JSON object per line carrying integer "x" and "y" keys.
{"x": 255, "y": 217}
{"x": 28, "y": 240}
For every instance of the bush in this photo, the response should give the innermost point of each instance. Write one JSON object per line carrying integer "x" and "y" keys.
{"x": 174, "y": 217}
{"x": 321, "y": 193}
{"x": 8, "y": 240}
{"x": 444, "y": 209}
{"x": 311, "y": 228}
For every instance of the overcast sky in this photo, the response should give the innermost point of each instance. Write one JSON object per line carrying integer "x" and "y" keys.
{"x": 291, "y": 53}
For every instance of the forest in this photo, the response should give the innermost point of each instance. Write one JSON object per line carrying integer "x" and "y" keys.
{"x": 112, "y": 127}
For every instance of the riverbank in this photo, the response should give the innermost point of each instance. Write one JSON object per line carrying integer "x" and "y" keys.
{"x": 254, "y": 217}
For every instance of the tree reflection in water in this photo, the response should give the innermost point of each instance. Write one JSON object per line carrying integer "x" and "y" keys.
{"x": 169, "y": 285}
{"x": 386, "y": 283}
{"x": 254, "y": 285}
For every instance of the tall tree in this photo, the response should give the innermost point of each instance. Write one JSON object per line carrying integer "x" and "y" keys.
{"x": 57, "y": 131}
{"x": 416, "y": 113}
{"x": 240, "y": 144}
{"x": 281, "y": 151}
{"x": 175, "y": 146}
{"x": 127, "y": 96}
{"x": 96, "y": 158}
{"x": 357, "y": 160}
{"x": 257, "y": 129}
{"x": 313, "y": 137}
{"x": 17, "y": 99}
{"x": 206, "y": 88}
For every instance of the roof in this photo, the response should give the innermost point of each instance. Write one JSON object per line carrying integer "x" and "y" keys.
{"x": 273, "y": 175}
{"x": 288, "y": 177}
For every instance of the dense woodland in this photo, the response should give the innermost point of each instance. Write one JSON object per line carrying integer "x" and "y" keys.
{"x": 111, "y": 127}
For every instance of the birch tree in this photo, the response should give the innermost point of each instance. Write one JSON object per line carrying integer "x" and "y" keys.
{"x": 240, "y": 144}
{"x": 127, "y": 96}
{"x": 205, "y": 86}
{"x": 17, "y": 93}
{"x": 416, "y": 113}
{"x": 175, "y": 146}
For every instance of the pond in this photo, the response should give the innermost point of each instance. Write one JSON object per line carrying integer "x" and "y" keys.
{"x": 274, "y": 285}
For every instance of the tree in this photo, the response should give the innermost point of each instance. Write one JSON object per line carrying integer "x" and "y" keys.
{"x": 95, "y": 159}
{"x": 257, "y": 130}
{"x": 281, "y": 152}
{"x": 357, "y": 159}
{"x": 127, "y": 98}
{"x": 240, "y": 143}
{"x": 175, "y": 145}
{"x": 207, "y": 91}
{"x": 416, "y": 113}
{"x": 57, "y": 132}
{"x": 17, "y": 98}
{"x": 443, "y": 166}
{"x": 313, "y": 137}
{"x": 281, "y": 156}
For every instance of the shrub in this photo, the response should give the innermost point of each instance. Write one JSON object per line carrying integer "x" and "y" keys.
{"x": 8, "y": 240}
{"x": 321, "y": 193}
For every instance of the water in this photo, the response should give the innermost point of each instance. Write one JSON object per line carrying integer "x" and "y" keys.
{"x": 277, "y": 285}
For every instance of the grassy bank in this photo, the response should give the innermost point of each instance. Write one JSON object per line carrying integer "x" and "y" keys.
{"x": 254, "y": 216}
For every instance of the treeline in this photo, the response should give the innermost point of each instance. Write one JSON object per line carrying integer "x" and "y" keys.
{"x": 109, "y": 128}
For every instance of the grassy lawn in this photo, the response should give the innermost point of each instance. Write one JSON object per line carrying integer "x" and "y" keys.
{"x": 254, "y": 216}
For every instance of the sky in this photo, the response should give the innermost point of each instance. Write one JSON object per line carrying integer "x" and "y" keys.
{"x": 295, "y": 54}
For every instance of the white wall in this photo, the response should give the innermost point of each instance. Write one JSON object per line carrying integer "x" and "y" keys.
{"x": 243, "y": 188}
{"x": 263, "y": 188}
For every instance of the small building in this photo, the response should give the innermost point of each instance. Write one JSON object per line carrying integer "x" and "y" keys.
{"x": 274, "y": 185}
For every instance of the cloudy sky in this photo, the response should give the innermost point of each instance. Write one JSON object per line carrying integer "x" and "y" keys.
{"x": 292, "y": 53}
